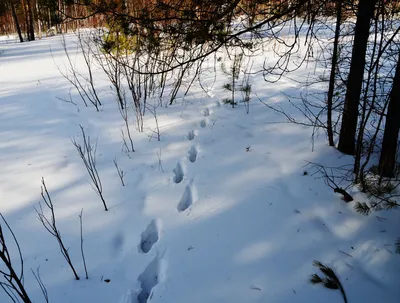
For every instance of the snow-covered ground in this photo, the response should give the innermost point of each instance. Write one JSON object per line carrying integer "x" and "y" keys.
{"x": 219, "y": 210}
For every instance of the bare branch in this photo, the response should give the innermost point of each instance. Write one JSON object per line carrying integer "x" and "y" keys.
{"x": 87, "y": 153}
{"x": 120, "y": 172}
{"x": 51, "y": 226}
{"x": 14, "y": 286}
{"x": 82, "y": 253}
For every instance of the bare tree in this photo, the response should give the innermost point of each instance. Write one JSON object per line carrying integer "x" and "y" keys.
{"x": 120, "y": 172}
{"x": 87, "y": 153}
{"x": 86, "y": 47}
{"x": 332, "y": 77}
{"x": 356, "y": 75}
{"x": 50, "y": 224}
{"x": 41, "y": 284}
{"x": 82, "y": 252}
{"x": 159, "y": 156}
{"x": 387, "y": 159}
{"x": 31, "y": 27}
{"x": 124, "y": 112}
{"x": 113, "y": 70}
{"x": 13, "y": 285}
{"x": 15, "y": 17}
{"x": 84, "y": 85}
{"x": 153, "y": 111}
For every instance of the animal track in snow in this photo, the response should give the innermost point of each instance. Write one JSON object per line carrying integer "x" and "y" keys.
{"x": 188, "y": 198}
{"x": 193, "y": 154}
{"x": 191, "y": 135}
{"x": 117, "y": 243}
{"x": 206, "y": 112}
{"x": 129, "y": 297}
{"x": 178, "y": 171}
{"x": 148, "y": 280}
{"x": 150, "y": 236}
{"x": 203, "y": 123}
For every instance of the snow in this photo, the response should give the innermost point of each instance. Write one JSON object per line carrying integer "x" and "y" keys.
{"x": 5, "y": 39}
{"x": 217, "y": 211}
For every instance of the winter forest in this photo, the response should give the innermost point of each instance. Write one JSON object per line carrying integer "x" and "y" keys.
{"x": 214, "y": 151}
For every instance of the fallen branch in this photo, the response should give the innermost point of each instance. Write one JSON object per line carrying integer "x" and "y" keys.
{"x": 329, "y": 280}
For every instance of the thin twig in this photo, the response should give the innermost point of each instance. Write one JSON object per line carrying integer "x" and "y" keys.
{"x": 41, "y": 284}
{"x": 120, "y": 172}
{"x": 82, "y": 253}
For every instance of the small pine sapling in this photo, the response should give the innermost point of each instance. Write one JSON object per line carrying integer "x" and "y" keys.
{"x": 233, "y": 73}
{"x": 246, "y": 87}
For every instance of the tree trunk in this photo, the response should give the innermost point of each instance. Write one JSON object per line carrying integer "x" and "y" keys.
{"x": 387, "y": 160}
{"x": 49, "y": 21}
{"x": 31, "y": 24}
{"x": 39, "y": 22}
{"x": 333, "y": 72}
{"x": 14, "y": 14}
{"x": 65, "y": 24}
{"x": 23, "y": 3}
{"x": 59, "y": 17}
{"x": 354, "y": 83}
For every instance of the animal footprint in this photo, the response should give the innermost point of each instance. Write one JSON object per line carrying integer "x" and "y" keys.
{"x": 148, "y": 280}
{"x": 150, "y": 236}
{"x": 193, "y": 154}
{"x": 118, "y": 243}
{"x": 189, "y": 197}
{"x": 191, "y": 135}
{"x": 206, "y": 112}
{"x": 178, "y": 171}
{"x": 129, "y": 297}
{"x": 203, "y": 123}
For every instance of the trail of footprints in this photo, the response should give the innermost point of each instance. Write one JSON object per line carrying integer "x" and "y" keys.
{"x": 151, "y": 235}
{"x": 203, "y": 123}
{"x": 178, "y": 173}
{"x": 189, "y": 197}
{"x": 193, "y": 154}
{"x": 191, "y": 135}
{"x": 148, "y": 280}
